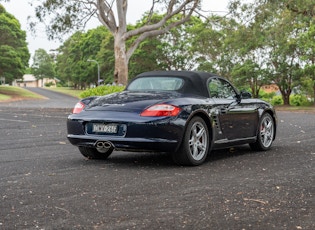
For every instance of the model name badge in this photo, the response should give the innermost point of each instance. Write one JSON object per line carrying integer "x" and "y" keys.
{"x": 103, "y": 128}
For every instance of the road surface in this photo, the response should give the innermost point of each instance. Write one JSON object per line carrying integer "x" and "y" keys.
{"x": 46, "y": 184}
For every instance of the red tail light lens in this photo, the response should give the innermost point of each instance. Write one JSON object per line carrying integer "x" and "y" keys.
{"x": 161, "y": 110}
{"x": 78, "y": 107}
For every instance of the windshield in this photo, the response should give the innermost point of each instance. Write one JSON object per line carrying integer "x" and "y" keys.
{"x": 156, "y": 84}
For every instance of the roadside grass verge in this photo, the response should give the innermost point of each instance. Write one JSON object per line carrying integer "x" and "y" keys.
{"x": 16, "y": 93}
{"x": 4, "y": 97}
{"x": 295, "y": 108}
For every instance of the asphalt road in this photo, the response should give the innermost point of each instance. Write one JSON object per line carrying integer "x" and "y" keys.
{"x": 46, "y": 184}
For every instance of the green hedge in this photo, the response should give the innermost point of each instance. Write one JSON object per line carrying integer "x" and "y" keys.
{"x": 295, "y": 100}
{"x": 101, "y": 90}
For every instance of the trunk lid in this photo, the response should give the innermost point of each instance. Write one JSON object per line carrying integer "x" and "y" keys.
{"x": 129, "y": 101}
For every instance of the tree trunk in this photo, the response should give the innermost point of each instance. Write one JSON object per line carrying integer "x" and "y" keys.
{"x": 286, "y": 99}
{"x": 121, "y": 63}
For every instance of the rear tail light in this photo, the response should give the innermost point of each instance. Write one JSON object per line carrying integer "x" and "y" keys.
{"x": 161, "y": 110}
{"x": 78, "y": 107}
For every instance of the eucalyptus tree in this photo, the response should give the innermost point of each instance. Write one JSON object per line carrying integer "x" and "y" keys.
{"x": 65, "y": 16}
{"x": 168, "y": 51}
{"x": 13, "y": 47}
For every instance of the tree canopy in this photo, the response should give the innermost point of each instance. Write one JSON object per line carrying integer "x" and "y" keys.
{"x": 72, "y": 14}
{"x": 43, "y": 65}
{"x": 13, "y": 47}
{"x": 256, "y": 44}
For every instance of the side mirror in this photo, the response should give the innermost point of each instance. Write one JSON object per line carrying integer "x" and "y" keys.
{"x": 246, "y": 95}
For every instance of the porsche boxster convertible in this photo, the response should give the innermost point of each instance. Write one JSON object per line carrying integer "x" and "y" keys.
{"x": 185, "y": 113}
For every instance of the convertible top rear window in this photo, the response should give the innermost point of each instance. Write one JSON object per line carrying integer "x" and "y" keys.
{"x": 156, "y": 84}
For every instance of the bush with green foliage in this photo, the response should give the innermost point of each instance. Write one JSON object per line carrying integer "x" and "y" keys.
{"x": 49, "y": 84}
{"x": 299, "y": 100}
{"x": 102, "y": 90}
{"x": 277, "y": 100}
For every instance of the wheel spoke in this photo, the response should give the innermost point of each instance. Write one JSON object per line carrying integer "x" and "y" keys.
{"x": 200, "y": 133}
{"x": 197, "y": 142}
{"x": 201, "y": 146}
{"x": 195, "y": 151}
{"x": 266, "y": 132}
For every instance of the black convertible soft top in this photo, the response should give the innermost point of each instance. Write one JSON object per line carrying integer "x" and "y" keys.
{"x": 195, "y": 81}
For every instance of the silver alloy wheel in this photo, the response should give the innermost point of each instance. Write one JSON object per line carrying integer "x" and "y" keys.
{"x": 198, "y": 141}
{"x": 266, "y": 131}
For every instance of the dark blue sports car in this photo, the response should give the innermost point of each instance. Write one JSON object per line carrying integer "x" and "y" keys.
{"x": 185, "y": 113}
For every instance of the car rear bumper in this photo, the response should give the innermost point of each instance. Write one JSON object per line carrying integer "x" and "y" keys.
{"x": 132, "y": 144}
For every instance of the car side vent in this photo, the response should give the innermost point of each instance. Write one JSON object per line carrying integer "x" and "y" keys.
{"x": 217, "y": 124}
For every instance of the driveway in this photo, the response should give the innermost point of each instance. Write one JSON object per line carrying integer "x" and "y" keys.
{"x": 53, "y": 100}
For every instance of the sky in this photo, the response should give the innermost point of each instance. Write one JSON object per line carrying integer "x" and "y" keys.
{"x": 21, "y": 9}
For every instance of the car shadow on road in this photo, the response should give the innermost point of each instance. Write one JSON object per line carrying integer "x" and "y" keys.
{"x": 141, "y": 159}
{"x": 153, "y": 159}
{"x": 238, "y": 151}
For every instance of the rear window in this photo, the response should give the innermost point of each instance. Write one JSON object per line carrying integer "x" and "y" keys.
{"x": 156, "y": 84}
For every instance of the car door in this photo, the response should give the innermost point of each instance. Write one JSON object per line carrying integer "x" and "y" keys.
{"x": 237, "y": 118}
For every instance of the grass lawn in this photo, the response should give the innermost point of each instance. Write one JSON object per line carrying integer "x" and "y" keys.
{"x": 13, "y": 92}
{"x": 4, "y": 97}
{"x": 67, "y": 90}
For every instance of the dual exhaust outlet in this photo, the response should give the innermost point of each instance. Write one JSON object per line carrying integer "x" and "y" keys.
{"x": 104, "y": 145}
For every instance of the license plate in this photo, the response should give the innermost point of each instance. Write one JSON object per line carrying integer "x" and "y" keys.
{"x": 103, "y": 128}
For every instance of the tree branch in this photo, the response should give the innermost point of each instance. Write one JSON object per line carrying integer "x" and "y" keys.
{"x": 106, "y": 15}
{"x": 122, "y": 6}
{"x": 170, "y": 13}
{"x": 153, "y": 33}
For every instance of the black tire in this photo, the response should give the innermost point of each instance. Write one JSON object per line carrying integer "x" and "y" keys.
{"x": 93, "y": 153}
{"x": 195, "y": 145}
{"x": 265, "y": 134}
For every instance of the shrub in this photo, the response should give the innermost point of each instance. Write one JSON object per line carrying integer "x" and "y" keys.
{"x": 277, "y": 100}
{"x": 102, "y": 90}
{"x": 299, "y": 100}
{"x": 49, "y": 84}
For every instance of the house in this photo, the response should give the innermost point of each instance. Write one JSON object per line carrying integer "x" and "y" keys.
{"x": 29, "y": 80}
{"x": 272, "y": 88}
